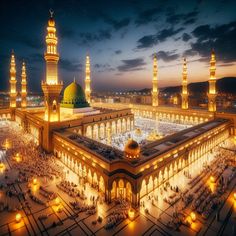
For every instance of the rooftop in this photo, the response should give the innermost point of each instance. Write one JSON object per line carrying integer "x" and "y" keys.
{"x": 160, "y": 146}
{"x": 110, "y": 154}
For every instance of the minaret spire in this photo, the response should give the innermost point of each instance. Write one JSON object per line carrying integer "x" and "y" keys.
{"x": 51, "y": 55}
{"x": 87, "y": 80}
{"x": 23, "y": 86}
{"x": 155, "y": 91}
{"x": 51, "y": 86}
{"x": 13, "y": 81}
{"x": 212, "y": 84}
{"x": 51, "y": 13}
{"x": 184, "y": 86}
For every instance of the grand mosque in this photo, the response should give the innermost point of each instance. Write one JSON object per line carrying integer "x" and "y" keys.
{"x": 79, "y": 131}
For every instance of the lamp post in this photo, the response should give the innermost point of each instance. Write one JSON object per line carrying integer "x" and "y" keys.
{"x": 18, "y": 217}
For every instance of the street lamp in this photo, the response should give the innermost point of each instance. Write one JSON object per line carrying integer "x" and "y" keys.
{"x": 212, "y": 179}
{"x": 34, "y": 181}
{"x": 57, "y": 201}
{"x": 18, "y": 217}
{"x": 1, "y": 165}
{"x": 131, "y": 214}
{"x": 193, "y": 216}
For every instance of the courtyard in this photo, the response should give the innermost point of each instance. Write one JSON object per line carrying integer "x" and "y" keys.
{"x": 40, "y": 195}
{"x": 145, "y": 130}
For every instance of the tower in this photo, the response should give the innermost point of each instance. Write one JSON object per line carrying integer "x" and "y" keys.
{"x": 212, "y": 84}
{"x": 154, "y": 83}
{"x": 184, "y": 86}
{"x": 87, "y": 80}
{"x": 51, "y": 86}
{"x": 13, "y": 81}
{"x": 23, "y": 86}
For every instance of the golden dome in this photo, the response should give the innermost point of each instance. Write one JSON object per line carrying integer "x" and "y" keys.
{"x": 132, "y": 149}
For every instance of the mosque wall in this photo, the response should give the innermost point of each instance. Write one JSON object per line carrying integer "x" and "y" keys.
{"x": 6, "y": 114}
{"x": 153, "y": 178}
{"x": 123, "y": 179}
{"x": 171, "y": 114}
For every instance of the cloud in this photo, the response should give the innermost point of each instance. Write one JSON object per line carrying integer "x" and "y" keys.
{"x": 118, "y": 52}
{"x": 167, "y": 56}
{"x": 116, "y": 24}
{"x": 189, "y": 53}
{"x": 147, "y": 41}
{"x": 186, "y": 37}
{"x": 184, "y": 18}
{"x": 91, "y": 37}
{"x": 151, "y": 40}
{"x": 103, "y": 67}
{"x": 166, "y": 33}
{"x": 147, "y": 16}
{"x": 23, "y": 38}
{"x": 221, "y": 38}
{"x": 225, "y": 64}
{"x": 131, "y": 65}
{"x": 70, "y": 65}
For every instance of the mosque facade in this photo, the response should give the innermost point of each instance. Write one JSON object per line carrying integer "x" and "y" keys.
{"x": 71, "y": 129}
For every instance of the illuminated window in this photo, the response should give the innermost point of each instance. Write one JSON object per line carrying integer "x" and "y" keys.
{"x": 54, "y": 106}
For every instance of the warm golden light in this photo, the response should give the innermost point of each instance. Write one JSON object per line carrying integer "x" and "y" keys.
{"x": 13, "y": 82}
{"x": 35, "y": 181}
{"x": 51, "y": 86}
{"x": 87, "y": 81}
{"x": 18, "y": 217}
{"x": 235, "y": 196}
{"x": 57, "y": 201}
{"x": 2, "y": 165}
{"x": 131, "y": 214}
{"x": 7, "y": 144}
{"x": 184, "y": 86}
{"x": 193, "y": 216}
{"x": 51, "y": 54}
{"x": 155, "y": 91}
{"x": 212, "y": 84}
{"x": 212, "y": 179}
{"x": 23, "y": 86}
{"x": 17, "y": 158}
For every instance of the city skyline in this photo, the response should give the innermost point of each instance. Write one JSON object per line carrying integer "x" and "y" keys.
{"x": 121, "y": 40}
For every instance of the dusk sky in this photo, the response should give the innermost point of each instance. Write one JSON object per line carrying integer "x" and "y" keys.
{"x": 120, "y": 37}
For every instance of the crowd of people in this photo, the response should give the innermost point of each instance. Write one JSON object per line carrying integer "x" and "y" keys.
{"x": 146, "y": 127}
{"x": 30, "y": 167}
{"x": 202, "y": 194}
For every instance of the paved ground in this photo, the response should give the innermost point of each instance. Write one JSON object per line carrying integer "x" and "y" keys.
{"x": 64, "y": 220}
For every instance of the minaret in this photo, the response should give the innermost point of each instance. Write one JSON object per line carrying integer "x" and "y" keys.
{"x": 52, "y": 86}
{"x": 212, "y": 84}
{"x": 154, "y": 83}
{"x": 13, "y": 81}
{"x": 184, "y": 86}
{"x": 23, "y": 86}
{"x": 87, "y": 80}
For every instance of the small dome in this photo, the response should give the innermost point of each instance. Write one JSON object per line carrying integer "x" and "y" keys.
{"x": 132, "y": 149}
{"x": 138, "y": 132}
{"x": 74, "y": 96}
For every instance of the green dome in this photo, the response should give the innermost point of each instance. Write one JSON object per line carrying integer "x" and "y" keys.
{"x": 74, "y": 97}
